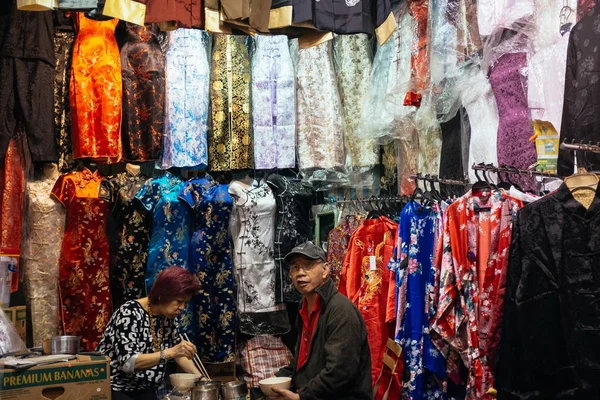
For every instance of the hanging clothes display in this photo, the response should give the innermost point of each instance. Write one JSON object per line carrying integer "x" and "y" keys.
{"x": 581, "y": 112}
{"x": 252, "y": 229}
{"x": 293, "y": 226}
{"x": 187, "y": 100}
{"x": 415, "y": 276}
{"x": 273, "y": 104}
{"x": 44, "y": 227}
{"x": 210, "y": 260}
{"x": 84, "y": 261}
{"x": 230, "y": 143}
{"x": 476, "y": 241}
{"x": 352, "y": 56}
{"x": 96, "y": 91}
{"x": 129, "y": 249}
{"x": 367, "y": 281}
{"x": 26, "y": 76}
{"x": 143, "y": 75}
{"x": 552, "y": 301}
{"x": 319, "y": 114}
{"x": 170, "y": 237}
{"x": 63, "y": 49}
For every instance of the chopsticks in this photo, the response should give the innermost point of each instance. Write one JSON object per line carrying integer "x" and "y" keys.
{"x": 196, "y": 360}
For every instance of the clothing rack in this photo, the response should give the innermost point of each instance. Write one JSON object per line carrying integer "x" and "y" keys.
{"x": 589, "y": 147}
{"x": 436, "y": 179}
{"x": 394, "y": 199}
{"x": 512, "y": 170}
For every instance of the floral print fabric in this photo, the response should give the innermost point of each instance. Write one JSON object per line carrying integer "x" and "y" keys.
{"x": 170, "y": 236}
{"x": 187, "y": 100}
{"x": 415, "y": 278}
{"x": 44, "y": 227}
{"x": 470, "y": 305}
{"x": 143, "y": 69}
{"x": 129, "y": 250}
{"x": 63, "y": 49}
{"x": 273, "y": 103}
{"x": 210, "y": 260}
{"x": 230, "y": 140}
{"x": 337, "y": 244}
{"x": 84, "y": 261}
{"x": 96, "y": 91}
{"x": 319, "y": 113}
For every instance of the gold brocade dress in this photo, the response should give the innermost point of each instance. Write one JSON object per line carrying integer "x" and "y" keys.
{"x": 230, "y": 144}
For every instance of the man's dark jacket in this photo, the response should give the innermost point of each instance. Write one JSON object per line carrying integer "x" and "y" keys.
{"x": 339, "y": 364}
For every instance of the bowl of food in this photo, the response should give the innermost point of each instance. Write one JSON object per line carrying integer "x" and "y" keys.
{"x": 267, "y": 385}
{"x": 183, "y": 381}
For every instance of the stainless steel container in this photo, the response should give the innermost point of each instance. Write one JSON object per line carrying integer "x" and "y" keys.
{"x": 234, "y": 390}
{"x": 205, "y": 392}
{"x": 65, "y": 344}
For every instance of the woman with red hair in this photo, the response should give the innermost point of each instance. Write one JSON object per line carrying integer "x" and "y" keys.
{"x": 143, "y": 335}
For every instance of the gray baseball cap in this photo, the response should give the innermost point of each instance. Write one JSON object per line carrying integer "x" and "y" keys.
{"x": 309, "y": 250}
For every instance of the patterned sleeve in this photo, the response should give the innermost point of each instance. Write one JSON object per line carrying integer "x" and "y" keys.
{"x": 63, "y": 190}
{"x": 146, "y": 195}
{"x": 126, "y": 330}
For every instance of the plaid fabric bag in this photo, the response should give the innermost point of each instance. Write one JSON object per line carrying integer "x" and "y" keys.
{"x": 261, "y": 357}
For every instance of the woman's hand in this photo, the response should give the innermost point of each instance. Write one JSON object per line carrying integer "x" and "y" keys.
{"x": 183, "y": 349}
{"x": 285, "y": 394}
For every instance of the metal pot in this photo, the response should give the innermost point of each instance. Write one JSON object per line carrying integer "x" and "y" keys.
{"x": 65, "y": 344}
{"x": 205, "y": 392}
{"x": 234, "y": 390}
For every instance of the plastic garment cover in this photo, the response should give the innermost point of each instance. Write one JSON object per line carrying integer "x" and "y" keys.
{"x": 494, "y": 14}
{"x": 319, "y": 116}
{"x": 547, "y": 63}
{"x": 9, "y": 337}
{"x": 352, "y": 59}
{"x": 475, "y": 93}
{"x": 390, "y": 67}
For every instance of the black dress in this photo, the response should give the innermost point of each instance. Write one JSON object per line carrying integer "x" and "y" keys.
{"x": 549, "y": 347}
{"x": 129, "y": 241}
{"x": 143, "y": 69}
{"x": 292, "y": 227}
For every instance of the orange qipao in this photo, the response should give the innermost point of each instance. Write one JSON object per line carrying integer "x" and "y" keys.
{"x": 96, "y": 91}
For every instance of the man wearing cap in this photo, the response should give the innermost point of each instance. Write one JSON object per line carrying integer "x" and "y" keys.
{"x": 332, "y": 359}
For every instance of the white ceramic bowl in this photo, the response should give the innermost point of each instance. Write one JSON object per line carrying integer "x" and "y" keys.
{"x": 183, "y": 381}
{"x": 279, "y": 383}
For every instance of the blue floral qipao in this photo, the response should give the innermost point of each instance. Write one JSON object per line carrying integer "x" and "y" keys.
{"x": 414, "y": 279}
{"x": 210, "y": 259}
{"x": 170, "y": 238}
{"x": 187, "y": 100}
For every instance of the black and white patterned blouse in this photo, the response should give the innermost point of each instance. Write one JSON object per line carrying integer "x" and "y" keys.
{"x": 127, "y": 335}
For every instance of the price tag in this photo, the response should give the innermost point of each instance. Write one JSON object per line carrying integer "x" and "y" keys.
{"x": 372, "y": 263}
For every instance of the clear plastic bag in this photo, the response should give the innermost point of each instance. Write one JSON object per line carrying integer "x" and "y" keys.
{"x": 9, "y": 337}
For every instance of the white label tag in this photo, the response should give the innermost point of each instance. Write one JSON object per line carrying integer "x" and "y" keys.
{"x": 373, "y": 263}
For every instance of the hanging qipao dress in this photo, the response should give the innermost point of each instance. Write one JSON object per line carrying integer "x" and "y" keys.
{"x": 129, "y": 249}
{"x": 96, "y": 91}
{"x": 170, "y": 237}
{"x": 143, "y": 68}
{"x": 230, "y": 144}
{"x": 84, "y": 287}
{"x": 210, "y": 259}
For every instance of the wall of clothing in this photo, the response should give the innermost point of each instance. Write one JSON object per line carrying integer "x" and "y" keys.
{"x": 242, "y": 114}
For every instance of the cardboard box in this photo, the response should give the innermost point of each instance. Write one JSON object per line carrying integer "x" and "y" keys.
{"x": 84, "y": 378}
{"x": 18, "y": 316}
